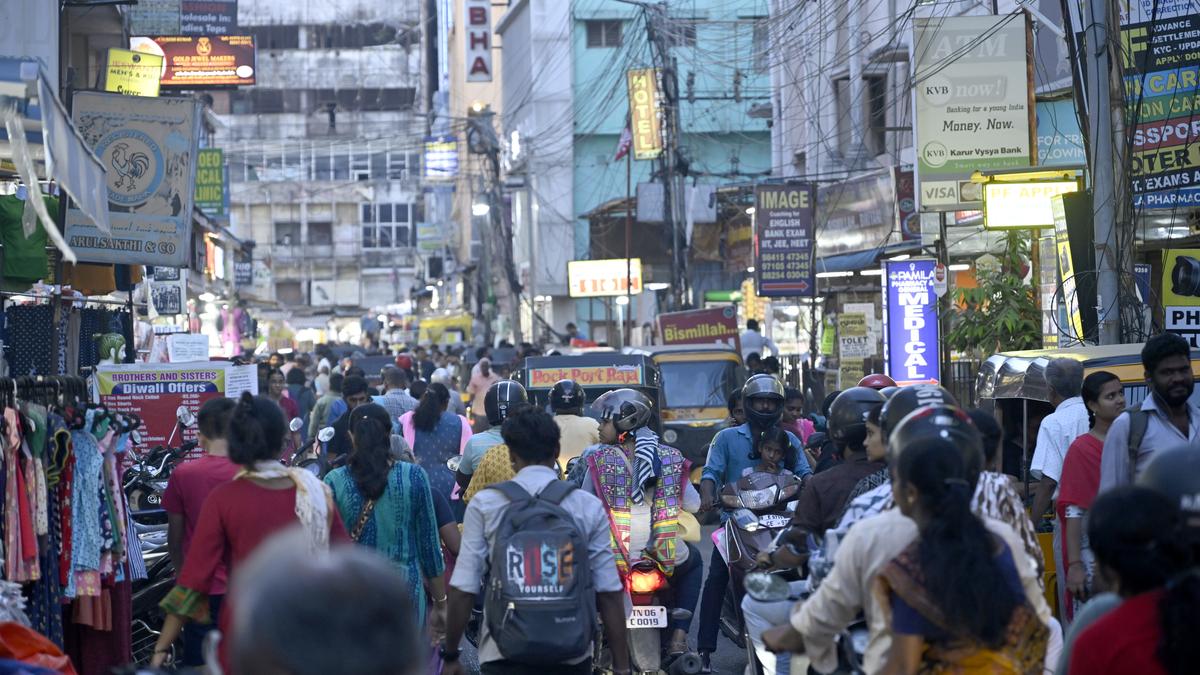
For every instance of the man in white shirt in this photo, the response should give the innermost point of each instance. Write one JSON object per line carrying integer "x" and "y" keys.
{"x": 567, "y": 399}
{"x": 754, "y": 342}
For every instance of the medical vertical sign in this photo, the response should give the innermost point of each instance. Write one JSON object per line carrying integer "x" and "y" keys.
{"x": 783, "y": 242}
{"x": 644, "y": 121}
{"x": 910, "y": 316}
{"x": 479, "y": 40}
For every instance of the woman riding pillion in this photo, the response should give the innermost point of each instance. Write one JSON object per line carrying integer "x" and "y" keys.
{"x": 643, "y": 486}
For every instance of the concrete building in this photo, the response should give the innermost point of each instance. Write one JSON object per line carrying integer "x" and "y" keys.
{"x": 324, "y": 155}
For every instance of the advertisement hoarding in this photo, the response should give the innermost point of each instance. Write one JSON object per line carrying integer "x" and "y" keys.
{"x": 208, "y": 17}
{"x": 132, "y": 73}
{"x": 783, "y": 246}
{"x": 1059, "y": 140}
{"x": 700, "y": 327}
{"x": 974, "y": 104}
{"x": 1181, "y": 293}
{"x": 201, "y": 62}
{"x": 148, "y": 149}
{"x": 644, "y": 117}
{"x": 910, "y": 316}
{"x": 603, "y": 278}
{"x": 1026, "y": 205}
{"x": 441, "y": 158}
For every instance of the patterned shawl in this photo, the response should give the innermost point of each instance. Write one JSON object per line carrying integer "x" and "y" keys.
{"x": 612, "y": 477}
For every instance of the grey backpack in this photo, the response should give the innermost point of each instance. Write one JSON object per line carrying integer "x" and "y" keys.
{"x": 540, "y": 603}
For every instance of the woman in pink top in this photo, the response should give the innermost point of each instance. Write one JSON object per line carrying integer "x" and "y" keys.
{"x": 793, "y": 415}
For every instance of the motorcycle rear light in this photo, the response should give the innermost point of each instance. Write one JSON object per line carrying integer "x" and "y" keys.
{"x": 646, "y": 582}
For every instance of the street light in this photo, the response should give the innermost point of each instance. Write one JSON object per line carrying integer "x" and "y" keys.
{"x": 657, "y": 286}
{"x": 480, "y": 209}
{"x": 622, "y": 300}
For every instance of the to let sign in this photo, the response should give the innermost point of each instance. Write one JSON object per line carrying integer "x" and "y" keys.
{"x": 910, "y": 347}
{"x": 479, "y": 40}
{"x": 604, "y": 278}
{"x": 784, "y": 245}
{"x": 643, "y": 113}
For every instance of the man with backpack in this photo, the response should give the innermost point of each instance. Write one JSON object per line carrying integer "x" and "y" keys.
{"x": 542, "y": 547}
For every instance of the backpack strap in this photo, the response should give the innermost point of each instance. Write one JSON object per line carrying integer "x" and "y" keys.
{"x": 513, "y": 490}
{"x": 1139, "y": 420}
{"x": 556, "y": 491}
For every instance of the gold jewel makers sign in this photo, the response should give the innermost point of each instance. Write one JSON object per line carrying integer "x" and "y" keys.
{"x": 132, "y": 73}
{"x": 148, "y": 149}
{"x": 644, "y": 113}
{"x": 974, "y": 104}
{"x": 198, "y": 62}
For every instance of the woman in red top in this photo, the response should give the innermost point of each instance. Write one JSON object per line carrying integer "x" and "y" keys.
{"x": 264, "y": 498}
{"x": 1080, "y": 480}
{"x": 1141, "y": 554}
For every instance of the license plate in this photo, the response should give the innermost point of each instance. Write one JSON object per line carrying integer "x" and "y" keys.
{"x": 654, "y": 616}
{"x": 774, "y": 520}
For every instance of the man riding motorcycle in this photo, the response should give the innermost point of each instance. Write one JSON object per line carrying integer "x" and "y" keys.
{"x": 643, "y": 486}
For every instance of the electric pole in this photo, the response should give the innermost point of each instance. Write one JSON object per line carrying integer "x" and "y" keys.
{"x": 656, "y": 16}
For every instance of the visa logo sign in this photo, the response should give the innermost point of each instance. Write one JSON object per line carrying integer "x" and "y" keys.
{"x": 939, "y": 192}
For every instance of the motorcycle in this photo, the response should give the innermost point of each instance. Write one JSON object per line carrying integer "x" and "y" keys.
{"x": 145, "y": 481}
{"x": 147, "y": 593}
{"x": 760, "y": 507}
{"x": 650, "y": 593}
{"x": 313, "y": 458}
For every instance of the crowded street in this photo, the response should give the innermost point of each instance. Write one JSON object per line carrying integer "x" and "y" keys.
{"x": 599, "y": 337}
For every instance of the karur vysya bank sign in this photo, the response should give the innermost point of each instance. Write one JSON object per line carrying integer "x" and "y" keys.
{"x": 911, "y": 321}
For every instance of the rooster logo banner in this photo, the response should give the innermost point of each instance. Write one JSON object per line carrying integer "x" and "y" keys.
{"x": 134, "y": 163}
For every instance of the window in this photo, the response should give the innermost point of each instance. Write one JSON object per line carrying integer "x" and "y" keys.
{"x": 275, "y": 37}
{"x": 320, "y": 234}
{"x": 761, "y": 45}
{"x": 289, "y": 292}
{"x": 876, "y": 137}
{"x": 845, "y": 120}
{"x": 287, "y": 234}
{"x": 351, "y": 36}
{"x": 386, "y": 225}
{"x": 603, "y": 33}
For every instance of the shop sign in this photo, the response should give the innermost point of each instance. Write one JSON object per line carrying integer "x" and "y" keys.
{"x": 1161, "y": 95}
{"x": 1012, "y": 206}
{"x": 148, "y": 149}
{"x": 644, "y": 117}
{"x": 587, "y": 376}
{"x": 701, "y": 326}
{"x": 1181, "y": 293}
{"x": 155, "y": 391}
{"x": 974, "y": 104}
{"x": 854, "y": 337}
{"x": 603, "y": 278}
{"x": 201, "y": 62}
{"x": 1066, "y": 270}
{"x": 210, "y": 181}
{"x": 1059, "y": 140}
{"x": 243, "y": 272}
{"x": 429, "y": 238}
{"x": 479, "y": 40}
{"x": 441, "y": 158}
{"x": 857, "y": 214}
{"x": 910, "y": 315}
{"x": 132, "y": 73}
{"x": 207, "y": 17}
{"x": 906, "y": 205}
{"x": 784, "y": 215}
{"x": 153, "y": 17}
{"x": 168, "y": 293}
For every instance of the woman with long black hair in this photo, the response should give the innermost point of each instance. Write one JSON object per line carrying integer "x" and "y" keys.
{"x": 436, "y": 434}
{"x": 386, "y": 504}
{"x": 1139, "y": 540}
{"x": 956, "y": 597}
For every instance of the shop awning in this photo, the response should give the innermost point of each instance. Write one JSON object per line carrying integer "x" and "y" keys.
{"x": 862, "y": 260}
{"x": 38, "y": 141}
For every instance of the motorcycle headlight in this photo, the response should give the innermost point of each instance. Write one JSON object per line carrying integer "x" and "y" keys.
{"x": 746, "y": 520}
{"x": 758, "y": 499}
{"x": 670, "y": 435}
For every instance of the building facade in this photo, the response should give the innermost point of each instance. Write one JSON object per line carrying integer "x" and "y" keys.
{"x": 324, "y": 158}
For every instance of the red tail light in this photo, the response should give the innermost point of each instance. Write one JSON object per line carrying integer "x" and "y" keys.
{"x": 645, "y": 582}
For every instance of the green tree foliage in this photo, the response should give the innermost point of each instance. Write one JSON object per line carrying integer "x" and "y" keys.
{"x": 1001, "y": 314}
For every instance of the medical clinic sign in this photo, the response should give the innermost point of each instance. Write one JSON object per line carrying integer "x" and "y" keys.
{"x": 910, "y": 320}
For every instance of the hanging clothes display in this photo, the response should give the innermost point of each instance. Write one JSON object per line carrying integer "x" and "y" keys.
{"x": 29, "y": 340}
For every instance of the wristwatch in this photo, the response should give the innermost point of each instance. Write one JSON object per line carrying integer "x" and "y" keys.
{"x": 448, "y": 655}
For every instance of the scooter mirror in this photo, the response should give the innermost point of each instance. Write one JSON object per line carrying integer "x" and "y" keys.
{"x": 325, "y": 434}
{"x": 185, "y": 416}
{"x": 454, "y": 462}
{"x": 765, "y": 587}
{"x": 296, "y": 424}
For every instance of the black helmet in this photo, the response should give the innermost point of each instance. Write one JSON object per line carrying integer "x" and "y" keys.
{"x": 501, "y": 398}
{"x": 889, "y": 392}
{"x": 759, "y": 387}
{"x": 1175, "y": 474}
{"x": 909, "y": 399}
{"x": 947, "y": 426}
{"x": 848, "y": 415}
{"x": 628, "y": 409}
{"x": 567, "y": 395}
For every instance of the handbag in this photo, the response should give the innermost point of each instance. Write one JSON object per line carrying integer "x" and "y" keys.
{"x": 363, "y": 517}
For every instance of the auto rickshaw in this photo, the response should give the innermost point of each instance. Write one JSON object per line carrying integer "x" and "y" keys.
{"x": 596, "y": 371}
{"x": 695, "y": 381}
{"x": 1014, "y": 384}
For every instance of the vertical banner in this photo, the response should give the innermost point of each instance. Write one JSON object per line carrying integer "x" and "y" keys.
{"x": 148, "y": 149}
{"x": 644, "y": 118}
{"x": 1181, "y": 293}
{"x": 783, "y": 244}
{"x": 210, "y": 181}
{"x": 973, "y": 97}
{"x": 479, "y": 40}
{"x": 911, "y": 336}
{"x": 1073, "y": 331}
